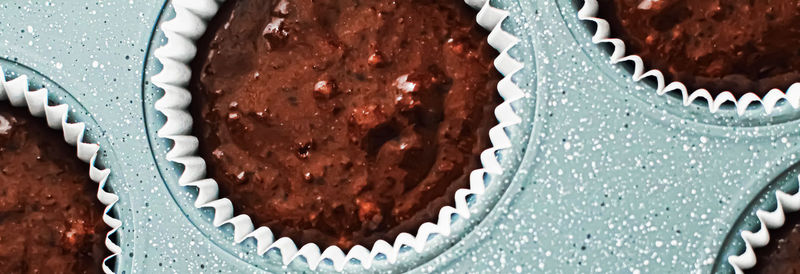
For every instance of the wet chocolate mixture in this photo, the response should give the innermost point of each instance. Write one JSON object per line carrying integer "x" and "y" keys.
{"x": 739, "y": 46}
{"x": 341, "y": 122}
{"x": 50, "y": 219}
{"x": 782, "y": 254}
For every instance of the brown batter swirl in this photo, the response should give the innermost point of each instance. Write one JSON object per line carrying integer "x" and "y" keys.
{"x": 739, "y": 45}
{"x": 782, "y": 254}
{"x": 341, "y": 122}
{"x": 50, "y": 220}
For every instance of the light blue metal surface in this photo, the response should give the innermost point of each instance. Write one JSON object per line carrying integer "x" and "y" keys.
{"x": 606, "y": 176}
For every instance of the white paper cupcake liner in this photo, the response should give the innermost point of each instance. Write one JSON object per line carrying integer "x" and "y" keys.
{"x": 17, "y": 92}
{"x": 786, "y": 203}
{"x": 601, "y": 35}
{"x": 189, "y": 24}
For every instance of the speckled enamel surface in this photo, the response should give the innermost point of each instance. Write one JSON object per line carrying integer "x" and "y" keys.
{"x": 606, "y": 176}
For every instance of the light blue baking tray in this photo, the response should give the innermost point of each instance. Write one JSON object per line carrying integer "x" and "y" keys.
{"x": 605, "y": 176}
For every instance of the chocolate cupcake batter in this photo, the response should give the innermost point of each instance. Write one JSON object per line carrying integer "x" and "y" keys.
{"x": 738, "y": 46}
{"x": 50, "y": 220}
{"x": 341, "y": 122}
{"x": 782, "y": 254}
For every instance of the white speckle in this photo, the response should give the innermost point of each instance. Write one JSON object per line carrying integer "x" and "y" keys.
{"x": 95, "y": 64}
{"x": 319, "y": 85}
{"x": 646, "y": 4}
{"x": 282, "y": 7}
{"x": 403, "y": 84}
{"x": 274, "y": 27}
{"x": 5, "y": 125}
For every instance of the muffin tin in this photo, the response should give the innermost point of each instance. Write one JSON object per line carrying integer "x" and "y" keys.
{"x": 605, "y": 174}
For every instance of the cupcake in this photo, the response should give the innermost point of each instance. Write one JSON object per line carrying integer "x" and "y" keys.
{"x": 50, "y": 220}
{"x": 782, "y": 254}
{"x": 341, "y": 123}
{"x": 736, "y": 46}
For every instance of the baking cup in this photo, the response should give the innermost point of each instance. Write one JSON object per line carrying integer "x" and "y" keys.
{"x": 601, "y": 35}
{"x": 189, "y": 24}
{"x": 786, "y": 203}
{"x": 17, "y": 93}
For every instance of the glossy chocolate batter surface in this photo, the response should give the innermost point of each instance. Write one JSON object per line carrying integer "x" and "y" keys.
{"x": 782, "y": 254}
{"x": 341, "y": 122}
{"x": 50, "y": 219}
{"x": 738, "y": 45}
